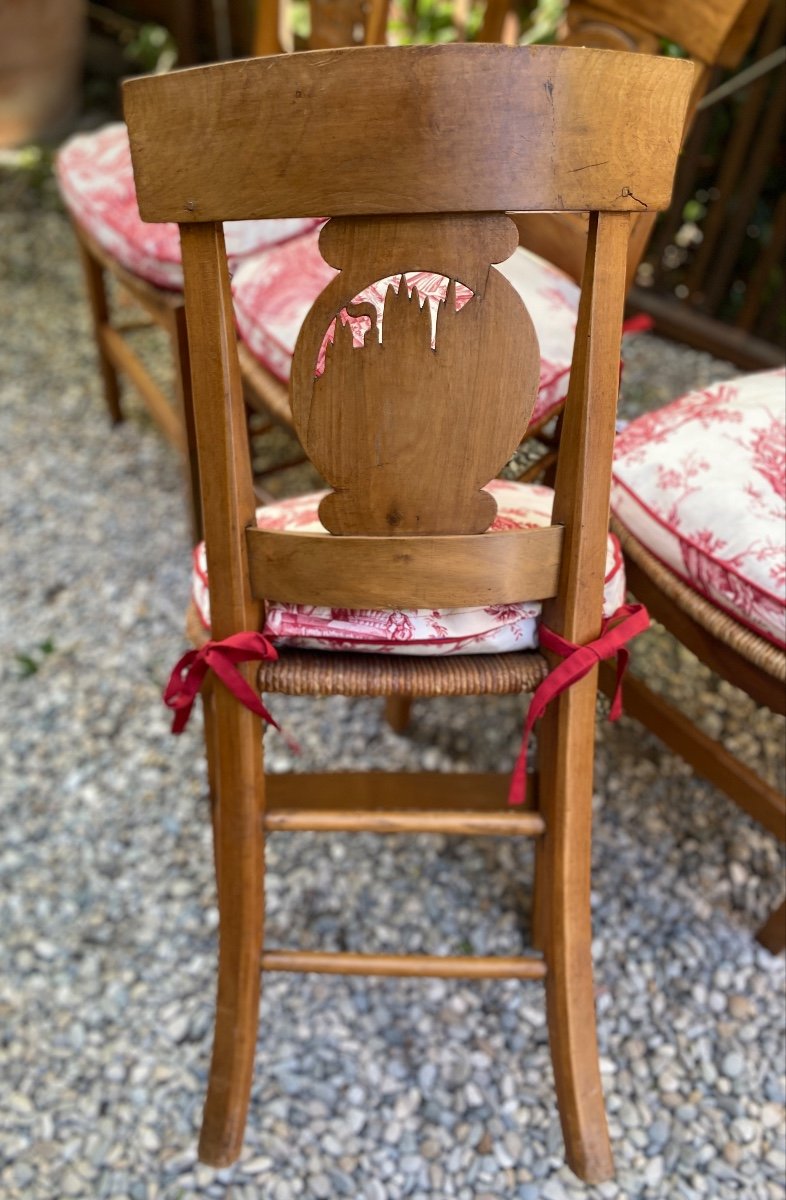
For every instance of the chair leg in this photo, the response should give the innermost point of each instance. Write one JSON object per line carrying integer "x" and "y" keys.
{"x": 240, "y": 878}
{"x": 772, "y": 934}
{"x": 95, "y": 284}
{"x": 566, "y": 751}
{"x": 397, "y": 712}
{"x": 211, "y": 758}
{"x": 179, "y": 337}
{"x": 538, "y": 920}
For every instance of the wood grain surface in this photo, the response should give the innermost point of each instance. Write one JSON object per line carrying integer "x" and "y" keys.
{"x": 337, "y": 148}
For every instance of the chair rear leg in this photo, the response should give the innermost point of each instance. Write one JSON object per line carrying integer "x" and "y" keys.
{"x": 240, "y": 877}
{"x": 95, "y": 284}
{"x": 211, "y": 757}
{"x": 772, "y": 934}
{"x": 566, "y": 752}
{"x": 179, "y": 338}
{"x": 397, "y": 712}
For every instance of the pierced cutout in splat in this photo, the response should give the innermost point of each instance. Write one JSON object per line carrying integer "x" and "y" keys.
{"x": 430, "y": 290}
{"x": 408, "y": 433}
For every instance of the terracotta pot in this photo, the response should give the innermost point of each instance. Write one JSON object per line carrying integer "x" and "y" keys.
{"x": 41, "y": 48}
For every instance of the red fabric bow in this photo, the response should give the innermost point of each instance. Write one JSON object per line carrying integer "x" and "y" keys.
{"x": 222, "y": 658}
{"x": 616, "y": 630}
{"x": 641, "y": 323}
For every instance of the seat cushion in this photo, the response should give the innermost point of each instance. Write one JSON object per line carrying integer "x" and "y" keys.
{"x": 274, "y": 290}
{"x": 492, "y": 630}
{"x": 702, "y": 485}
{"x": 97, "y": 183}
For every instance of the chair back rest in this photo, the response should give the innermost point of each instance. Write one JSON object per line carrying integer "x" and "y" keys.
{"x": 410, "y": 427}
{"x": 334, "y": 23}
{"x": 713, "y": 33}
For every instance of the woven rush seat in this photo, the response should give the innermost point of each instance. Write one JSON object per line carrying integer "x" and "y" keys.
{"x": 336, "y": 673}
{"x": 719, "y": 624}
{"x": 331, "y": 673}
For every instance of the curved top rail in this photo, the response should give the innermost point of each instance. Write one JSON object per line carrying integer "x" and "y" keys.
{"x": 408, "y": 129}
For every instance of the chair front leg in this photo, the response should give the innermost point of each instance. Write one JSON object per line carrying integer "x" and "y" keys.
{"x": 397, "y": 712}
{"x": 566, "y": 738}
{"x": 95, "y": 284}
{"x": 240, "y": 865}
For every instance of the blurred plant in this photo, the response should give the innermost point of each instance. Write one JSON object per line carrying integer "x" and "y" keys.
{"x": 544, "y": 22}
{"x": 29, "y": 664}
{"x": 426, "y": 21}
{"x": 26, "y": 184}
{"x": 149, "y": 47}
{"x": 152, "y": 49}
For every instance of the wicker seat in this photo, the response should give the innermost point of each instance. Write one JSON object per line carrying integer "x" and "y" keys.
{"x": 754, "y": 649}
{"x": 335, "y": 673}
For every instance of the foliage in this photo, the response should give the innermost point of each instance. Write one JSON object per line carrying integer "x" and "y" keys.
{"x": 29, "y": 664}
{"x": 152, "y": 48}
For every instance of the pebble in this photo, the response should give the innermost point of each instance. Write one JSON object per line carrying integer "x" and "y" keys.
{"x": 378, "y": 1089}
{"x": 733, "y": 1065}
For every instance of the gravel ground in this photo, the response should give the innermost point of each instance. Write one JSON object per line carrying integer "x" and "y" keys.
{"x": 375, "y": 1089}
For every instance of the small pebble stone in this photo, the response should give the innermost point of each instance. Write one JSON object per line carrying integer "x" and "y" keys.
{"x": 733, "y": 1065}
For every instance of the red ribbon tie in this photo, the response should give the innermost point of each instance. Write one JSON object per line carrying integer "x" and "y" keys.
{"x": 222, "y": 658}
{"x": 577, "y": 662}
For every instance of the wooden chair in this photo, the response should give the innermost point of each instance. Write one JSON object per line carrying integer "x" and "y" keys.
{"x": 463, "y": 133}
{"x": 715, "y": 594}
{"x": 163, "y": 305}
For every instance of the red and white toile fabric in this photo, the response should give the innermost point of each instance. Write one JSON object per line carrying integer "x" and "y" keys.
{"x": 496, "y": 629}
{"x": 702, "y": 484}
{"x": 97, "y": 183}
{"x": 274, "y": 290}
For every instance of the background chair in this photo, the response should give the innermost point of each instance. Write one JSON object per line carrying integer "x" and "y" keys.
{"x": 711, "y": 39}
{"x": 469, "y": 131}
{"x": 96, "y": 182}
{"x": 698, "y": 503}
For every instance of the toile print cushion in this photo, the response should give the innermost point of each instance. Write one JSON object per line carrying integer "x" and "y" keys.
{"x": 702, "y": 485}
{"x": 493, "y": 630}
{"x": 274, "y": 290}
{"x": 97, "y": 184}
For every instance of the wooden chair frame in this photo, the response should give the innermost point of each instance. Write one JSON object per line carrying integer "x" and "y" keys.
{"x": 736, "y": 655}
{"x": 524, "y": 131}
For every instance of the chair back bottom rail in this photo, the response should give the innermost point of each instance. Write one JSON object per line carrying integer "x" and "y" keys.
{"x": 425, "y": 966}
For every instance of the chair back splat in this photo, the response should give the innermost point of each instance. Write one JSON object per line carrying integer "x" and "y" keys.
{"x": 416, "y": 154}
